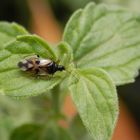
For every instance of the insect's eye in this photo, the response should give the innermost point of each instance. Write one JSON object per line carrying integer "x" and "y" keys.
{"x": 37, "y": 61}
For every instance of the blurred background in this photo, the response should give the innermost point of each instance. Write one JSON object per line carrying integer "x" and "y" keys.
{"x": 47, "y": 18}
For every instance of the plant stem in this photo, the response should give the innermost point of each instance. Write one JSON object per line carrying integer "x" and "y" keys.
{"x": 55, "y": 100}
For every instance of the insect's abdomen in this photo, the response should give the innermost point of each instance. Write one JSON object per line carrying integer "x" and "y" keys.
{"x": 51, "y": 68}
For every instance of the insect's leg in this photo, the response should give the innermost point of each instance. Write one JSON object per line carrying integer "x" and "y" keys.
{"x": 49, "y": 76}
{"x": 37, "y": 73}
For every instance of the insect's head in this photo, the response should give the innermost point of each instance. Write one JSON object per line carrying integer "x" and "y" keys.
{"x": 61, "y": 68}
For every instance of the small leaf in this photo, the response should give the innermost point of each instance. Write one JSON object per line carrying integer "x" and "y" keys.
{"x": 13, "y": 113}
{"x": 12, "y": 29}
{"x": 64, "y": 53}
{"x": 9, "y": 31}
{"x": 40, "y": 132}
{"x": 27, "y": 132}
{"x": 39, "y": 45}
{"x": 78, "y": 130}
{"x": 57, "y": 133}
{"x": 107, "y": 37}
{"x": 96, "y": 100}
{"x": 13, "y": 81}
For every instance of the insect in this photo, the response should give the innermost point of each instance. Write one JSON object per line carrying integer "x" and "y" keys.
{"x": 40, "y": 66}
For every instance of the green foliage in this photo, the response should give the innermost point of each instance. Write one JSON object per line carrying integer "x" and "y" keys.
{"x": 96, "y": 100}
{"x": 78, "y": 130}
{"x": 8, "y": 32}
{"x": 40, "y": 132}
{"x": 102, "y": 36}
{"x": 100, "y": 48}
{"x": 10, "y": 112}
{"x": 133, "y": 5}
{"x": 27, "y": 84}
{"x": 64, "y": 53}
{"x": 28, "y": 132}
{"x": 36, "y": 46}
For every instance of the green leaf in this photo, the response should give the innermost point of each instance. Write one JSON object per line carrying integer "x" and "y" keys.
{"x": 38, "y": 45}
{"x": 64, "y": 53}
{"x": 107, "y": 37}
{"x": 13, "y": 113}
{"x": 78, "y": 130}
{"x": 95, "y": 97}
{"x": 57, "y": 133}
{"x": 9, "y": 31}
{"x": 27, "y": 132}
{"x": 40, "y": 132}
{"x": 13, "y": 81}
